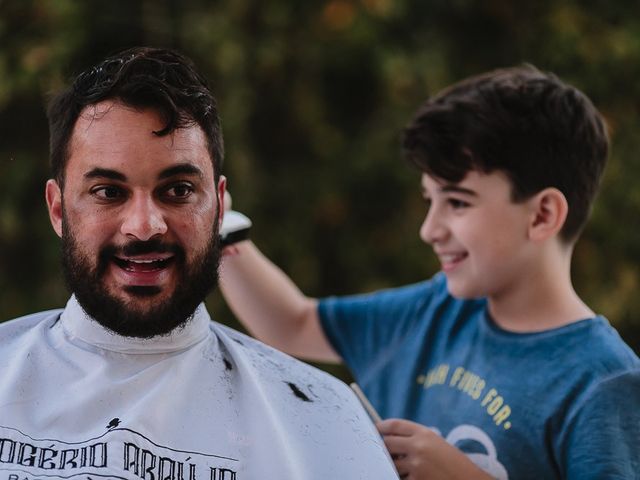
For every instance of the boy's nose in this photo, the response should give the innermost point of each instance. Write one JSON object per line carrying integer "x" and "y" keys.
{"x": 432, "y": 230}
{"x": 143, "y": 219}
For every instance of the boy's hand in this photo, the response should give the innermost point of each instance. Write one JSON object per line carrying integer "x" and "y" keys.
{"x": 235, "y": 227}
{"x": 420, "y": 453}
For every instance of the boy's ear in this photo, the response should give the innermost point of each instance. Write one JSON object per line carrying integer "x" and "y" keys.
{"x": 549, "y": 212}
{"x": 53, "y": 195}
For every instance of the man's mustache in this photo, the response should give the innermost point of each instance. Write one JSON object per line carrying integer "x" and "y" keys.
{"x": 139, "y": 247}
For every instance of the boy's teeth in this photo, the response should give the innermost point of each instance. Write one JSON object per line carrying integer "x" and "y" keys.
{"x": 452, "y": 258}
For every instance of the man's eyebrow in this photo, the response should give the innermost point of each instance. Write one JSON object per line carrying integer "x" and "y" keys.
{"x": 105, "y": 173}
{"x": 450, "y": 188}
{"x": 182, "y": 169}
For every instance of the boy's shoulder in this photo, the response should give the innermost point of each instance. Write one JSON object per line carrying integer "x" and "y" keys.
{"x": 429, "y": 294}
{"x": 591, "y": 343}
{"x": 599, "y": 345}
{"x": 588, "y": 355}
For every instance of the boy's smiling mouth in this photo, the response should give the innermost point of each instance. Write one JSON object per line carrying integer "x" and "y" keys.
{"x": 449, "y": 261}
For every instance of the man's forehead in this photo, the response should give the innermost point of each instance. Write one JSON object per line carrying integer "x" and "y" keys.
{"x": 113, "y": 124}
{"x": 107, "y": 112}
{"x": 98, "y": 110}
{"x": 110, "y": 134}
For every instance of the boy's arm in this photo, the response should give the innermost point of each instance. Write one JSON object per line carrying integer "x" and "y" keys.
{"x": 271, "y": 306}
{"x": 603, "y": 439}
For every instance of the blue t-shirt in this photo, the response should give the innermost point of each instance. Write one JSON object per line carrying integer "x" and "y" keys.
{"x": 562, "y": 403}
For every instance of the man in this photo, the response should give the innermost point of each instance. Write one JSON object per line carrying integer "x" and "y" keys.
{"x": 132, "y": 379}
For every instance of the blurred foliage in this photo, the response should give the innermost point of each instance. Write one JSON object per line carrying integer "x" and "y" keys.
{"x": 313, "y": 97}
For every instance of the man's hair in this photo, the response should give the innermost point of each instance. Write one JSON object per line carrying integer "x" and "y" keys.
{"x": 528, "y": 124}
{"x": 159, "y": 79}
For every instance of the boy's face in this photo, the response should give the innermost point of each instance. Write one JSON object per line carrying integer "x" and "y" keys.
{"x": 478, "y": 233}
{"x": 139, "y": 219}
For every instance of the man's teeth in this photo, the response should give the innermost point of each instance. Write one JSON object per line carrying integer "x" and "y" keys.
{"x": 143, "y": 263}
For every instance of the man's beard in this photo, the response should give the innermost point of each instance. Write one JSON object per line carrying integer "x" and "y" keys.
{"x": 195, "y": 280}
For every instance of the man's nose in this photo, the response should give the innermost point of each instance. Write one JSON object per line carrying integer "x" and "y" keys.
{"x": 143, "y": 219}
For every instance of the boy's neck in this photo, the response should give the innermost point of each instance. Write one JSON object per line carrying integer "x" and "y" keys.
{"x": 542, "y": 299}
{"x": 532, "y": 315}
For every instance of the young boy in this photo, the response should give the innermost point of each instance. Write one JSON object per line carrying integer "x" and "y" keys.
{"x": 494, "y": 368}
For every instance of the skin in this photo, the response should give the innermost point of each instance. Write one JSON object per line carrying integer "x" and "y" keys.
{"x": 125, "y": 184}
{"x": 508, "y": 252}
{"x": 419, "y": 453}
{"x": 474, "y": 228}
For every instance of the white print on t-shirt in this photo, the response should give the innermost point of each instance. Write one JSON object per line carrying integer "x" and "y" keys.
{"x": 486, "y": 461}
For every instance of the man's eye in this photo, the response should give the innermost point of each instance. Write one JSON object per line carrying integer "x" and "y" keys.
{"x": 181, "y": 190}
{"x": 108, "y": 192}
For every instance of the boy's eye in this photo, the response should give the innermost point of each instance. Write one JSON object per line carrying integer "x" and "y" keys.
{"x": 456, "y": 203}
{"x": 107, "y": 192}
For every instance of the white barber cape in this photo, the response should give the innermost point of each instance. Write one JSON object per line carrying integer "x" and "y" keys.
{"x": 204, "y": 403}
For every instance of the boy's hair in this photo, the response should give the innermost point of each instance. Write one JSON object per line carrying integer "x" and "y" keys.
{"x": 160, "y": 79}
{"x": 520, "y": 121}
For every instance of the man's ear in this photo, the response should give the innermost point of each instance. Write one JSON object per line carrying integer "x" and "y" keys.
{"x": 222, "y": 188}
{"x": 53, "y": 195}
{"x": 548, "y": 214}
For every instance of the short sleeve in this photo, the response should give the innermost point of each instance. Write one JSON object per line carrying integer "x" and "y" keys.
{"x": 364, "y": 329}
{"x": 603, "y": 436}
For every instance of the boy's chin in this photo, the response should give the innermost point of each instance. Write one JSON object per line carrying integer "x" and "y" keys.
{"x": 464, "y": 292}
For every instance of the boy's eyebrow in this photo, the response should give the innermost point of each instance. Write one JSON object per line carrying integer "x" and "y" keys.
{"x": 449, "y": 188}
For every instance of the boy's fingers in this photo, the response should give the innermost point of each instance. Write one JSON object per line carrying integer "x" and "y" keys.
{"x": 402, "y": 466}
{"x": 397, "y": 445}
{"x": 395, "y": 426}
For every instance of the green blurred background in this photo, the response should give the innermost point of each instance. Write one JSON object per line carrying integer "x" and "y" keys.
{"x": 313, "y": 96}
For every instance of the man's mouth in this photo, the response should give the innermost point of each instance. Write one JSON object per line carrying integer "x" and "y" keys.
{"x": 142, "y": 264}
{"x": 147, "y": 264}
